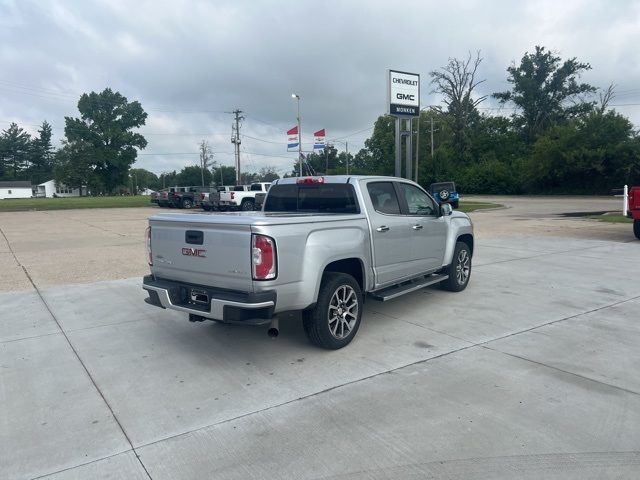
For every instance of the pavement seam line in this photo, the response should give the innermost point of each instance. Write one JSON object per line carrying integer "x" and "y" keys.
{"x": 29, "y": 338}
{"x": 305, "y": 397}
{"x": 545, "y": 254}
{"x": 81, "y": 464}
{"x": 75, "y": 352}
{"x": 418, "y": 362}
{"x": 589, "y": 379}
{"x": 593, "y": 310}
{"x": 421, "y": 326}
{"x": 89, "y": 225}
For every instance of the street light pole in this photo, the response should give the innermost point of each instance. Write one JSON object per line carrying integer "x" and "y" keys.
{"x": 297, "y": 97}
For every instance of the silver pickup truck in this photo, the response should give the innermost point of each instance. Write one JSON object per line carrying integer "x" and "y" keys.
{"x": 319, "y": 246}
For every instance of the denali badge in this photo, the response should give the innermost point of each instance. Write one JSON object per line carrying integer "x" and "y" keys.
{"x": 194, "y": 252}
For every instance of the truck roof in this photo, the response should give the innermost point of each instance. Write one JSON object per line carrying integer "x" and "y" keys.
{"x": 337, "y": 178}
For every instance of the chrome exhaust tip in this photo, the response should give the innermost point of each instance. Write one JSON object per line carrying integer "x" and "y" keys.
{"x": 273, "y": 331}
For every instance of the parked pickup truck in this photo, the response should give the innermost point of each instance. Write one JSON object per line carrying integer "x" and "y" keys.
{"x": 319, "y": 246}
{"x": 633, "y": 209}
{"x": 166, "y": 194}
{"x": 188, "y": 197}
{"x": 211, "y": 200}
{"x": 244, "y": 200}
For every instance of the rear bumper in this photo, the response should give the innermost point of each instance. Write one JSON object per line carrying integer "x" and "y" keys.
{"x": 223, "y": 305}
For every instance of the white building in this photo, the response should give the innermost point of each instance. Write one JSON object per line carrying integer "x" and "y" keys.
{"x": 52, "y": 189}
{"x": 15, "y": 190}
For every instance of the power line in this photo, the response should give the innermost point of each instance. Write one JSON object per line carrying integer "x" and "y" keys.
{"x": 244, "y": 135}
{"x": 354, "y": 133}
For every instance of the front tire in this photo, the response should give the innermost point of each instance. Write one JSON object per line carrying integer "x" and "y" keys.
{"x": 335, "y": 319}
{"x": 459, "y": 270}
{"x": 636, "y": 228}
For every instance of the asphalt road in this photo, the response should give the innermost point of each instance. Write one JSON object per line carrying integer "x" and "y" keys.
{"x": 532, "y": 372}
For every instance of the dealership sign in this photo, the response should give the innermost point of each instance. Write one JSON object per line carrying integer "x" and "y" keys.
{"x": 403, "y": 93}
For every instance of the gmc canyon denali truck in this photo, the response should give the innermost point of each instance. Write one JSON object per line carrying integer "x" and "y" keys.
{"x": 319, "y": 246}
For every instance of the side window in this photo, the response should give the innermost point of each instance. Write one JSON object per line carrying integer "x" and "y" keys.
{"x": 384, "y": 199}
{"x": 418, "y": 202}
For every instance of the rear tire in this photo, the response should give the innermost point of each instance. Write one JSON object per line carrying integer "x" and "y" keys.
{"x": 459, "y": 270}
{"x": 455, "y": 204}
{"x": 206, "y": 208}
{"x": 335, "y": 319}
{"x": 246, "y": 205}
{"x": 636, "y": 228}
{"x": 186, "y": 203}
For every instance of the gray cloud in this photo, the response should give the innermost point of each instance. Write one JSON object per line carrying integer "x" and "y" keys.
{"x": 189, "y": 62}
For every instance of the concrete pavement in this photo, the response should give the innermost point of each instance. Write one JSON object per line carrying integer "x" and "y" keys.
{"x": 532, "y": 372}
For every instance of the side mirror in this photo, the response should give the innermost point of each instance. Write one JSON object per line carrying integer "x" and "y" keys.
{"x": 445, "y": 210}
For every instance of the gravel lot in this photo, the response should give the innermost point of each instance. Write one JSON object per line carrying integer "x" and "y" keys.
{"x": 532, "y": 372}
{"x": 80, "y": 246}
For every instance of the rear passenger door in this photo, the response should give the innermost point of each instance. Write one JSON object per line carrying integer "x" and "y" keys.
{"x": 428, "y": 230}
{"x": 390, "y": 233}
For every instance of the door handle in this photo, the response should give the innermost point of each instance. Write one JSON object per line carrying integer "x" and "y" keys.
{"x": 382, "y": 228}
{"x": 417, "y": 227}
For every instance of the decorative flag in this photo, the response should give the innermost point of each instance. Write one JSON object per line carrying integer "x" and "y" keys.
{"x": 318, "y": 140}
{"x": 292, "y": 139}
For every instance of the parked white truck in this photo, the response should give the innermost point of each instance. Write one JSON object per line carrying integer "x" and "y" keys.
{"x": 319, "y": 246}
{"x": 244, "y": 199}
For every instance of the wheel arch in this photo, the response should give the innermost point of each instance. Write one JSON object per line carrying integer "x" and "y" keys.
{"x": 351, "y": 266}
{"x": 468, "y": 239}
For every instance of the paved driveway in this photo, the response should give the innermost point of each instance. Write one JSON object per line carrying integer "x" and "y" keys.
{"x": 532, "y": 372}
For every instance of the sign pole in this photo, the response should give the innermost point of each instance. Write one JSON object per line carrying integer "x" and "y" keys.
{"x": 408, "y": 150}
{"x": 398, "y": 148}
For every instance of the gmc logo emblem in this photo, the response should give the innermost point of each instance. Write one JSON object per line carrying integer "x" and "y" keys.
{"x": 404, "y": 96}
{"x": 194, "y": 252}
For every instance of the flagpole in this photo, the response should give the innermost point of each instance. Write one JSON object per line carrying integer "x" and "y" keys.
{"x": 297, "y": 97}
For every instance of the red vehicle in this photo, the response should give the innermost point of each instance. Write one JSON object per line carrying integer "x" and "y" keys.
{"x": 634, "y": 209}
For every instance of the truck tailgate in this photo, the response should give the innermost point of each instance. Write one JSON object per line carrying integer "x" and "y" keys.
{"x": 212, "y": 254}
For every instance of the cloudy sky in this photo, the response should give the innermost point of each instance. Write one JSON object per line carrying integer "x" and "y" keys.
{"x": 189, "y": 62}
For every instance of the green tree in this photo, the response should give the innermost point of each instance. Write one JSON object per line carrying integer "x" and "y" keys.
{"x": 168, "y": 179}
{"x": 588, "y": 155}
{"x": 15, "y": 149}
{"x": 105, "y": 131}
{"x": 379, "y": 155}
{"x": 144, "y": 179}
{"x": 456, "y": 82}
{"x": 223, "y": 175}
{"x": 73, "y": 167}
{"x": 546, "y": 90}
{"x": 268, "y": 174}
{"x": 41, "y": 157}
{"x": 193, "y": 175}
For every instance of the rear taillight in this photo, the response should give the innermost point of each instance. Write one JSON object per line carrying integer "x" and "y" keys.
{"x": 233, "y": 195}
{"x": 263, "y": 257}
{"x": 150, "y": 255}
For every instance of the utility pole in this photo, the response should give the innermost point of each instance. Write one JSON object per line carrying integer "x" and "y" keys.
{"x": 433, "y": 159}
{"x": 235, "y": 139}
{"x": 346, "y": 149}
{"x": 326, "y": 158}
